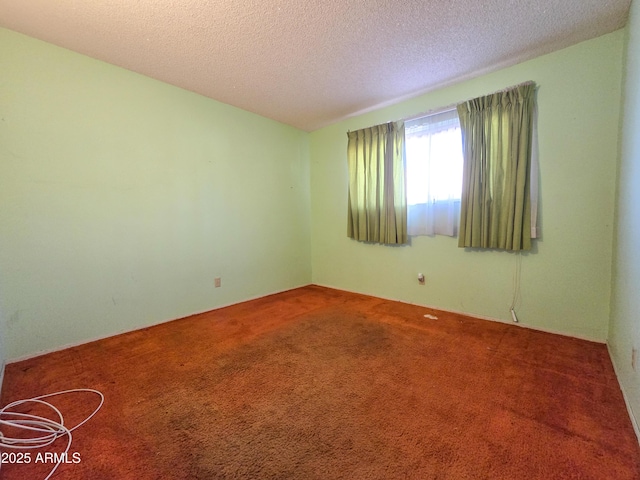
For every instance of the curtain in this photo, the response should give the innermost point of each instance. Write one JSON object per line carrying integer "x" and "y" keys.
{"x": 434, "y": 174}
{"x": 377, "y": 208}
{"x": 495, "y": 209}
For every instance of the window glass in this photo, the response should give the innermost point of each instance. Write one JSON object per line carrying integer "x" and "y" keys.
{"x": 433, "y": 158}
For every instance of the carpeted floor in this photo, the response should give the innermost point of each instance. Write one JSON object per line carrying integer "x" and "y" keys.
{"x": 321, "y": 384}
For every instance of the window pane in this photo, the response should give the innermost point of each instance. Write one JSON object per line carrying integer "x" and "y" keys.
{"x": 434, "y": 161}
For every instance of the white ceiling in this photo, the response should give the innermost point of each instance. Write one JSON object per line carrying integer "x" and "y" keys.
{"x": 309, "y": 63}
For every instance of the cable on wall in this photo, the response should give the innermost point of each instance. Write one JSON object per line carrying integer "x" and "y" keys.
{"x": 37, "y": 431}
{"x": 515, "y": 299}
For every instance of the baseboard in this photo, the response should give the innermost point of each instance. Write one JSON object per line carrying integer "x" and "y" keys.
{"x": 95, "y": 339}
{"x": 473, "y": 315}
{"x": 632, "y": 416}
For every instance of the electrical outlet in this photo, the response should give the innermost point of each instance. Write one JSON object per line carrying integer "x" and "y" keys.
{"x": 217, "y": 282}
{"x": 634, "y": 357}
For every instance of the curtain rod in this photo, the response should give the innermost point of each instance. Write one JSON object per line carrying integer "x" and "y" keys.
{"x": 453, "y": 106}
{"x": 428, "y": 113}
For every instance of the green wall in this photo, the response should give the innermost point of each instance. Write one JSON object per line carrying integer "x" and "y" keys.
{"x": 122, "y": 198}
{"x": 3, "y": 351}
{"x": 624, "y": 333}
{"x": 565, "y": 282}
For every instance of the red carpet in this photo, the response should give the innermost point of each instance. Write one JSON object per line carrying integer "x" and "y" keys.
{"x": 321, "y": 384}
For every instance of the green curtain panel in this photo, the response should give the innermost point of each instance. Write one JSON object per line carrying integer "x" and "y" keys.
{"x": 377, "y": 210}
{"x": 496, "y": 136}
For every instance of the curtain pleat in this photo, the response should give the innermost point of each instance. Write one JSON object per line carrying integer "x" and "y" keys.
{"x": 495, "y": 207}
{"x": 377, "y": 207}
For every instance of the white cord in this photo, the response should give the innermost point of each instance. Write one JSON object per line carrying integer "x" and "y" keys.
{"x": 517, "y": 272}
{"x": 40, "y": 431}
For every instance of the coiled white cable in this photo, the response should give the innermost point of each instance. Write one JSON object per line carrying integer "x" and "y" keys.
{"x": 40, "y": 431}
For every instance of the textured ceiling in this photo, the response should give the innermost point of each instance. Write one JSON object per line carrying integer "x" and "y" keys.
{"x": 309, "y": 63}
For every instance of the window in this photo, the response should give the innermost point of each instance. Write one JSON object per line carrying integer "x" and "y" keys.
{"x": 433, "y": 174}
